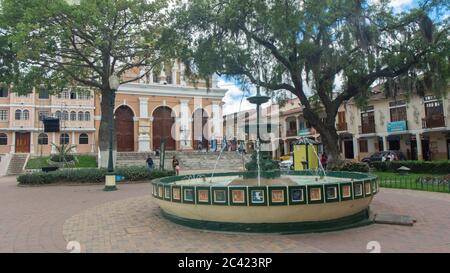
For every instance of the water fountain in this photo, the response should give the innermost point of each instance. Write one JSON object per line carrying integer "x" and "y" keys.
{"x": 297, "y": 202}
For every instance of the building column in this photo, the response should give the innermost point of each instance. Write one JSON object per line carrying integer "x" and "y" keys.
{"x": 419, "y": 146}
{"x": 53, "y": 141}
{"x": 216, "y": 121}
{"x": 182, "y": 77}
{"x": 150, "y": 77}
{"x": 32, "y": 151}
{"x": 174, "y": 73}
{"x": 73, "y": 142}
{"x": 144, "y": 134}
{"x": 385, "y": 143}
{"x": 356, "y": 148}
{"x": 185, "y": 137}
{"x": 162, "y": 76}
{"x": 13, "y": 144}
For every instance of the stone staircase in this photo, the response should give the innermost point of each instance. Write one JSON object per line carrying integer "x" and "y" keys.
{"x": 188, "y": 160}
{"x": 17, "y": 164}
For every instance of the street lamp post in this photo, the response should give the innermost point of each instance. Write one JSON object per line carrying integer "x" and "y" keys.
{"x": 110, "y": 179}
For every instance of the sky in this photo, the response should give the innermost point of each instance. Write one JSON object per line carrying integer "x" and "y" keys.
{"x": 233, "y": 98}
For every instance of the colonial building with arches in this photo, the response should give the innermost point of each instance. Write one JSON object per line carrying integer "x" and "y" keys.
{"x": 148, "y": 113}
{"x": 162, "y": 106}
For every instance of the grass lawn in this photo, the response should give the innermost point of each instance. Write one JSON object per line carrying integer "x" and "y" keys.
{"x": 394, "y": 180}
{"x": 393, "y": 175}
{"x": 82, "y": 161}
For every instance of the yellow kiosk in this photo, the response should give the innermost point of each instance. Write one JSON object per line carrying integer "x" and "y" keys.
{"x": 305, "y": 157}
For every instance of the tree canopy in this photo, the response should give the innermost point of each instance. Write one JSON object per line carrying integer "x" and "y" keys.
{"x": 57, "y": 43}
{"x": 307, "y": 46}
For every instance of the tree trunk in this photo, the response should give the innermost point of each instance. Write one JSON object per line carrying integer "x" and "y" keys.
{"x": 107, "y": 110}
{"x": 328, "y": 134}
{"x": 330, "y": 141}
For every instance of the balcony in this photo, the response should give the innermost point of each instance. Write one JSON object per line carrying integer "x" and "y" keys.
{"x": 433, "y": 121}
{"x": 291, "y": 133}
{"x": 341, "y": 127}
{"x": 367, "y": 129}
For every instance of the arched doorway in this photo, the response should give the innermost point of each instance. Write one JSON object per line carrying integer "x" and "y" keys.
{"x": 163, "y": 121}
{"x": 124, "y": 129}
{"x": 199, "y": 129}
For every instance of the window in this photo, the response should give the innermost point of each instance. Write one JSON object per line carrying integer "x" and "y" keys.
{"x": 84, "y": 95}
{"x": 64, "y": 139}
{"x": 80, "y": 116}
{"x": 398, "y": 111}
{"x": 64, "y": 95}
{"x": 43, "y": 115}
{"x": 368, "y": 120}
{"x": 169, "y": 79}
{"x": 73, "y": 116}
{"x": 73, "y": 95}
{"x": 43, "y": 94}
{"x": 3, "y": 139}
{"x": 26, "y": 115}
{"x": 65, "y": 115}
{"x": 3, "y": 115}
{"x": 363, "y": 146}
{"x": 292, "y": 125}
{"x": 43, "y": 139}
{"x": 84, "y": 139}
{"x": 430, "y": 98}
{"x": 58, "y": 114}
{"x": 3, "y": 91}
{"x": 341, "y": 117}
{"x": 18, "y": 115}
{"x": 155, "y": 77}
{"x": 301, "y": 125}
{"x": 87, "y": 116}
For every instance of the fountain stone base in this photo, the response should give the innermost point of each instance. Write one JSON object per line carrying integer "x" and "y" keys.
{"x": 297, "y": 202}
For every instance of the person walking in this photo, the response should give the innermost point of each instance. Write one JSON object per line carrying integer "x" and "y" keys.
{"x": 150, "y": 164}
{"x": 176, "y": 165}
{"x": 324, "y": 161}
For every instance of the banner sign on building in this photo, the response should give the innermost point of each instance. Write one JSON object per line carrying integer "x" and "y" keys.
{"x": 397, "y": 126}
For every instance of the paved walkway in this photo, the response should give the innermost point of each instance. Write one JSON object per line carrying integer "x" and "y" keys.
{"x": 43, "y": 219}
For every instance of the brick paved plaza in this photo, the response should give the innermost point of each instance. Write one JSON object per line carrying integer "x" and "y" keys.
{"x": 44, "y": 219}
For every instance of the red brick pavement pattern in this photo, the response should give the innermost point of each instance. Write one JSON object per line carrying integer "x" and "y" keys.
{"x": 32, "y": 218}
{"x": 40, "y": 219}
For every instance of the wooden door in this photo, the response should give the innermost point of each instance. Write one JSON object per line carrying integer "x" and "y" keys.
{"x": 162, "y": 128}
{"x": 23, "y": 142}
{"x": 124, "y": 129}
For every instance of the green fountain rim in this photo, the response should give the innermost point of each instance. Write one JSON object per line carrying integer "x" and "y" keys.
{"x": 354, "y": 176}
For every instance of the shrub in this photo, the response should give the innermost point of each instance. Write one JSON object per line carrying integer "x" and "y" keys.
{"x": 266, "y": 163}
{"x": 349, "y": 166}
{"x": 62, "y": 158}
{"x": 89, "y": 176}
{"x": 439, "y": 167}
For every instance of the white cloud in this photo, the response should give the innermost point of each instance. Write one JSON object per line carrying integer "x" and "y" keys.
{"x": 233, "y": 98}
{"x": 400, "y": 3}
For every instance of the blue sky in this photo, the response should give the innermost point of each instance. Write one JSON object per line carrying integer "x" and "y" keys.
{"x": 233, "y": 98}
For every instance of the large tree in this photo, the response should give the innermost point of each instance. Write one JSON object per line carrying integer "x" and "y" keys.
{"x": 61, "y": 45}
{"x": 307, "y": 46}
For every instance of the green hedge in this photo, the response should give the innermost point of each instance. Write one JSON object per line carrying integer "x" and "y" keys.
{"x": 439, "y": 167}
{"x": 89, "y": 176}
{"x": 349, "y": 166}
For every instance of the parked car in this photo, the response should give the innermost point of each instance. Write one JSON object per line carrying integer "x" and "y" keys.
{"x": 287, "y": 165}
{"x": 379, "y": 155}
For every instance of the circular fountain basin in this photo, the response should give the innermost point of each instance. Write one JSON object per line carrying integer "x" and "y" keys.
{"x": 296, "y": 202}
